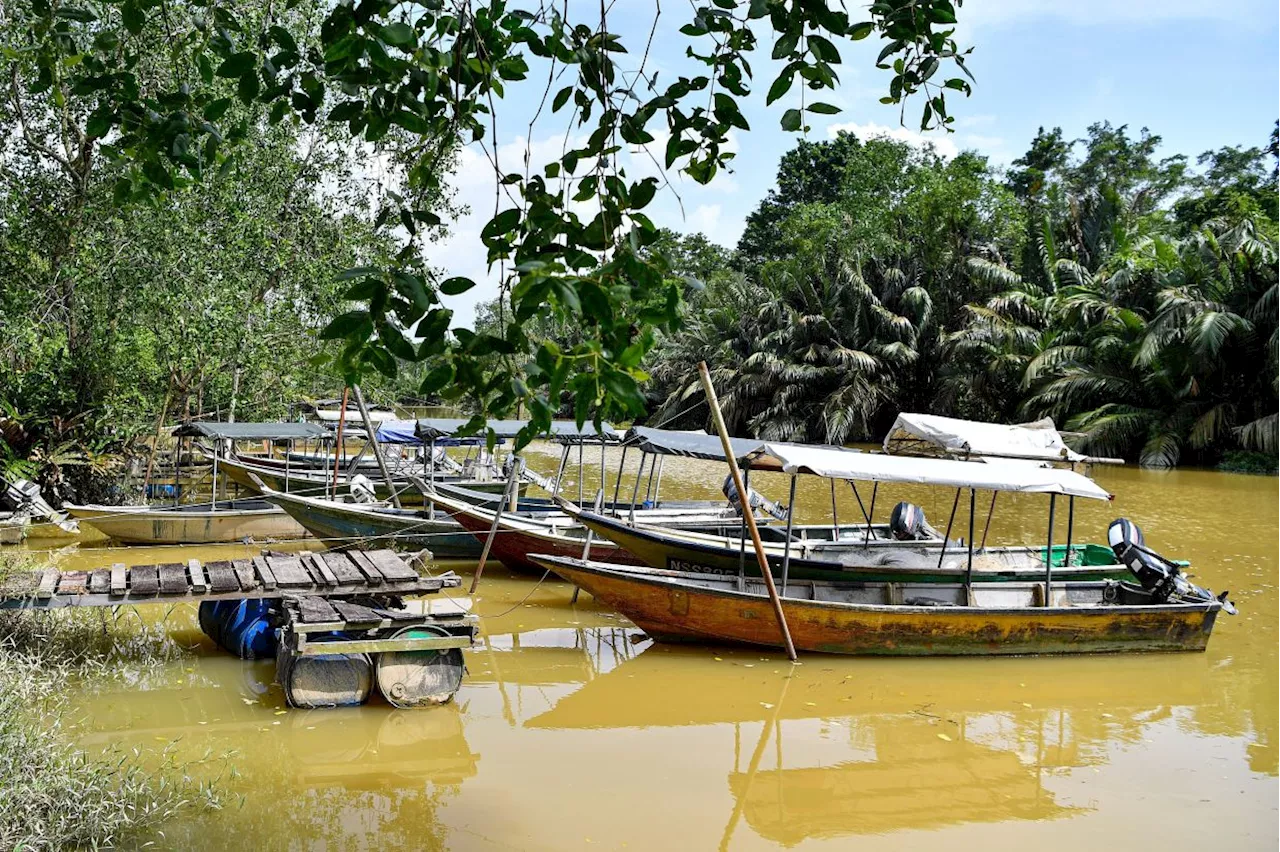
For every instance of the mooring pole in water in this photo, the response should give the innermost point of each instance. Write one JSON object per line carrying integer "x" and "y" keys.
{"x": 875, "y": 489}
{"x": 987, "y": 528}
{"x": 1048, "y": 553}
{"x": 968, "y": 572}
{"x": 497, "y": 516}
{"x": 372, "y": 436}
{"x": 747, "y": 514}
{"x": 337, "y": 447}
{"x": 942, "y": 554}
{"x": 786, "y": 548}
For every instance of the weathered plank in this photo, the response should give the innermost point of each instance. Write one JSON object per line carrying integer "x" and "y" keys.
{"x": 73, "y": 582}
{"x": 263, "y": 570}
{"x": 316, "y": 610}
{"x": 370, "y": 571}
{"x": 173, "y": 578}
{"x": 22, "y": 584}
{"x": 198, "y": 585}
{"x": 48, "y": 583}
{"x": 391, "y": 565}
{"x": 99, "y": 581}
{"x": 289, "y": 572}
{"x": 243, "y": 569}
{"x": 119, "y": 579}
{"x": 144, "y": 580}
{"x": 355, "y": 613}
{"x": 222, "y": 578}
{"x": 320, "y": 571}
{"x": 346, "y": 573}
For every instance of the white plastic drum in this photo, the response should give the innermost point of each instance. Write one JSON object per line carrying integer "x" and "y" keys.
{"x": 419, "y": 678}
{"x": 324, "y": 680}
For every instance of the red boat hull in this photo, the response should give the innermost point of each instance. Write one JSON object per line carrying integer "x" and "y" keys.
{"x": 512, "y": 547}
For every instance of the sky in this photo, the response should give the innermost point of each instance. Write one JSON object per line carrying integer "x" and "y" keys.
{"x": 1200, "y": 74}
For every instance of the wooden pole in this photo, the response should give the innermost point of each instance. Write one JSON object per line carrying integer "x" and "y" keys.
{"x": 987, "y": 528}
{"x": 497, "y": 516}
{"x": 968, "y": 573}
{"x": 786, "y": 550}
{"x": 714, "y": 403}
{"x": 337, "y": 447}
{"x": 946, "y": 537}
{"x": 371, "y": 435}
{"x": 1048, "y": 553}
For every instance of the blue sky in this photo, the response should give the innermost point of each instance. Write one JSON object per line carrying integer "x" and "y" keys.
{"x": 1200, "y": 74}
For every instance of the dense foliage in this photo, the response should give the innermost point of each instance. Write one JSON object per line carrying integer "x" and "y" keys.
{"x": 1130, "y": 298}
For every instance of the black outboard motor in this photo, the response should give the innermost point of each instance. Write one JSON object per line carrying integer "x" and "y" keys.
{"x": 908, "y": 523}
{"x": 754, "y": 498}
{"x": 1159, "y": 576}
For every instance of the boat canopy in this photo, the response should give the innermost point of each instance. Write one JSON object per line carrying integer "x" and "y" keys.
{"x": 562, "y": 431}
{"x": 930, "y": 435}
{"x": 252, "y": 431}
{"x": 990, "y": 475}
{"x": 406, "y": 432}
{"x": 842, "y": 463}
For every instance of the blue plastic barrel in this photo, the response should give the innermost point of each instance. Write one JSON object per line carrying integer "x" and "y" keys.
{"x": 241, "y": 627}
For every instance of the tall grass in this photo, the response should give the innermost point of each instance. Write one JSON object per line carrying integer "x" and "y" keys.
{"x": 52, "y": 794}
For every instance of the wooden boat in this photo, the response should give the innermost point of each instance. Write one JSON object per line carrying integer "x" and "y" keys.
{"x": 194, "y": 523}
{"x": 880, "y": 560}
{"x": 899, "y": 619}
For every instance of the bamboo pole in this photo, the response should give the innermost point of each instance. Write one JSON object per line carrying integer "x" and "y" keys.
{"x": 714, "y": 403}
{"x": 371, "y": 436}
{"x": 337, "y": 447}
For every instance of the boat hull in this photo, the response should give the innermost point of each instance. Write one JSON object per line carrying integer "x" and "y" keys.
{"x": 512, "y": 545}
{"x": 671, "y": 610}
{"x": 346, "y": 523}
{"x": 147, "y": 525}
{"x": 659, "y": 549}
{"x": 314, "y": 484}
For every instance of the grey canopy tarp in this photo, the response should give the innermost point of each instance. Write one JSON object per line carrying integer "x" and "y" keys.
{"x": 931, "y": 435}
{"x": 251, "y": 431}
{"x": 562, "y": 431}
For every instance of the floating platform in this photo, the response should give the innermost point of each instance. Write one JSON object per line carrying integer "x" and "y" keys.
{"x": 327, "y": 575}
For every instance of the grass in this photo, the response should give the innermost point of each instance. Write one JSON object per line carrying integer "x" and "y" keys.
{"x": 52, "y": 794}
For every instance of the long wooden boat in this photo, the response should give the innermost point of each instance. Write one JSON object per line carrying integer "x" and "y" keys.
{"x": 195, "y": 523}
{"x": 897, "y": 619}
{"x": 880, "y": 560}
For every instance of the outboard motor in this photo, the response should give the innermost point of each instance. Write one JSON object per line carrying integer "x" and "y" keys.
{"x": 907, "y": 523}
{"x": 362, "y": 489}
{"x": 1159, "y": 576}
{"x": 754, "y": 498}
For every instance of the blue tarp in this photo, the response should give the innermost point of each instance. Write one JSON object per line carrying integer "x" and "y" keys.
{"x": 406, "y": 432}
{"x": 562, "y": 431}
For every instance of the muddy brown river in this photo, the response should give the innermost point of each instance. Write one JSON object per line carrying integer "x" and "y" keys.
{"x": 573, "y": 731}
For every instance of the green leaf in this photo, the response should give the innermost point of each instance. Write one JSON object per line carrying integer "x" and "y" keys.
{"x": 780, "y": 87}
{"x": 217, "y": 109}
{"x": 436, "y": 379}
{"x": 786, "y": 45}
{"x": 237, "y": 65}
{"x": 248, "y": 87}
{"x": 73, "y": 13}
{"x": 353, "y": 325}
{"x": 134, "y": 19}
{"x": 860, "y": 31}
{"x": 823, "y": 109}
{"x": 791, "y": 119}
{"x": 503, "y": 223}
{"x": 824, "y": 49}
{"x": 561, "y": 98}
{"x": 456, "y": 285}
{"x": 399, "y": 34}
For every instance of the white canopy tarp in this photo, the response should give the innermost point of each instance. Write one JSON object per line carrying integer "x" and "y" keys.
{"x": 991, "y": 475}
{"x": 930, "y": 435}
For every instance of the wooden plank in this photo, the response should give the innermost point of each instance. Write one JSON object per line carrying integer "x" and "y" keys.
{"x": 222, "y": 578}
{"x": 263, "y": 570}
{"x": 346, "y": 573}
{"x": 22, "y": 584}
{"x": 73, "y": 582}
{"x": 355, "y": 613}
{"x": 173, "y": 578}
{"x": 48, "y": 583}
{"x": 391, "y": 565}
{"x": 99, "y": 581}
{"x": 319, "y": 570}
{"x": 144, "y": 580}
{"x": 370, "y": 571}
{"x": 243, "y": 569}
{"x": 119, "y": 579}
{"x": 198, "y": 585}
{"x": 316, "y": 609}
{"x": 289, "y": 572}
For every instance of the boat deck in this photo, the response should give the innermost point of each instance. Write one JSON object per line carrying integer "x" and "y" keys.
{"x": 325, "y": 575}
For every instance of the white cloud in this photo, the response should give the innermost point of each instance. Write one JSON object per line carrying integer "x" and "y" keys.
{"x": 1108, "y": 13}
{"x": 941, "y": 142}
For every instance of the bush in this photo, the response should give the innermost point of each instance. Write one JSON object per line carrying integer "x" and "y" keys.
{"x": 1246, "y": 461}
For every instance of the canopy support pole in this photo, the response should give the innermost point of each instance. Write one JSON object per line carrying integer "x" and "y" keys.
{"x": 371, "y": 435}
{"x": 1048, "y": 553}
{"x": 1071, "y": 522}
{"x": 748, "y": 515}
{"x": 987, "y": 527}
{"x": 288, "y": 455}
{"x": 946, "y": 537}
{"x": 580, "y": 469}
{"x": 744, "y": 508}
{"x": 586, "y": 548}
{"x": 648, "y": 488}
{"x": 968, "y": 571}
{"x": 861, "y": 505}
{"x": 337, "y": 447}
{"x": 564, "y": 460}
{"x": 657, "y": 485}
{"x": 213, "y": 505}
{"x": 617, "y": 483}
{"x": 866, "y": 539}
{"x": 635, "y": 491}
{"x": 786, "y": 548}
{"x": 835, "y": 517}
{"x": 497, "y": 516}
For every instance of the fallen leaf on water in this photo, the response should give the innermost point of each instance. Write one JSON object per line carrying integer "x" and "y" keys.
{"x": 944, "y": 737}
